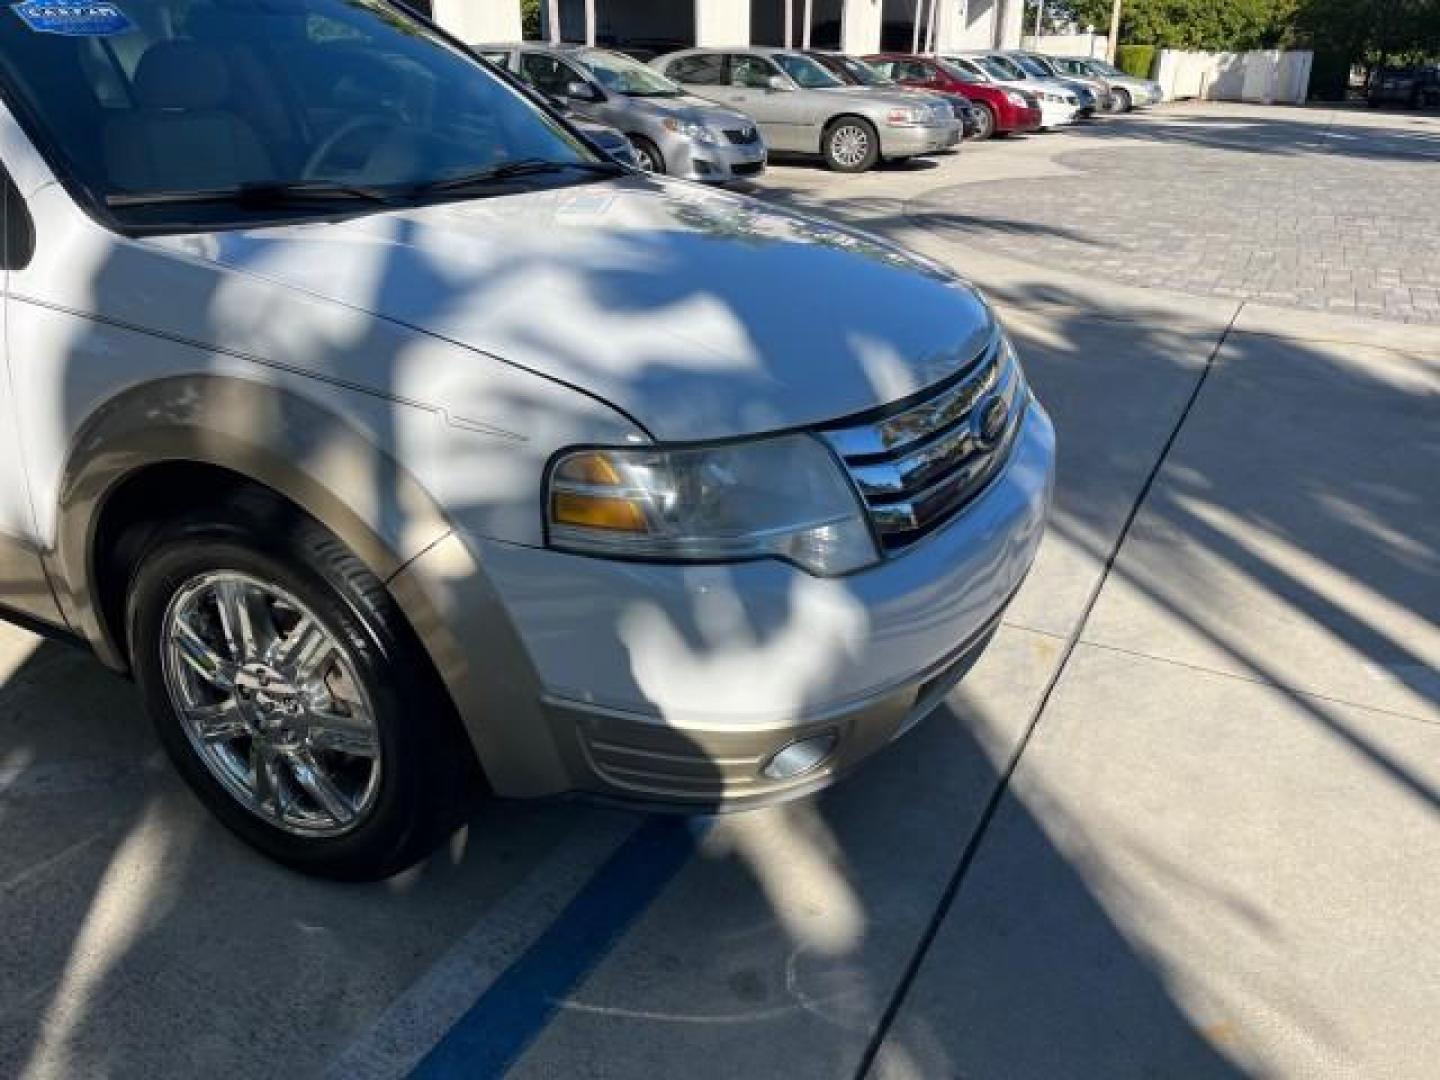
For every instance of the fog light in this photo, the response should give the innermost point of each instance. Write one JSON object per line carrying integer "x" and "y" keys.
{"x": 801, "y": 757}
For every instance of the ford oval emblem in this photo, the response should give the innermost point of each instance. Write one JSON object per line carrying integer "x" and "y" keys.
{"x": 991, "y": 420}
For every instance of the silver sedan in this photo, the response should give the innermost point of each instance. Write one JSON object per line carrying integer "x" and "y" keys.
{"x": 803, "y": 108}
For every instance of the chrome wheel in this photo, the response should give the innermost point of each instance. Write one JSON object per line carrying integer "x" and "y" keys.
{"x": 271, "y": 704}
{"x": 850, "y": 146}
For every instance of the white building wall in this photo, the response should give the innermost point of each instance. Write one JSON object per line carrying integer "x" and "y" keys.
{"x": 1262, "y": 76}
{"x": 722, "y": 24}
{"x": 860, "y": 26}
{"x": 476, "y": 21}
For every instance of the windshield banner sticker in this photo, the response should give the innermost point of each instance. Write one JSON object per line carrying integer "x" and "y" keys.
{"x": 73, "y": 18}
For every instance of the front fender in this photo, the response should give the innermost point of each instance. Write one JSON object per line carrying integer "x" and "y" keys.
{"x": 271, "y": 435}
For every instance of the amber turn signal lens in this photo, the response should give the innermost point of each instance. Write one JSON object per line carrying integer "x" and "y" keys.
{"x": 597, "y": 512}
{"x": 589, "y": 469}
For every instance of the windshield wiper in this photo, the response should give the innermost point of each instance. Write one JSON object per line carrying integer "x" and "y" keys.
{"x": 260, "y": 196}
{"x": 512, "y": 170}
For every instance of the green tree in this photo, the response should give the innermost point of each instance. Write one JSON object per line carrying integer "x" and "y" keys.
{"x": 530, "y": 16}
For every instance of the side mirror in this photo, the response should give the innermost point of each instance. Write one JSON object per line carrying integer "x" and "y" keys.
{"x": 777, "y": 82}
{"x": 581, "y": 91}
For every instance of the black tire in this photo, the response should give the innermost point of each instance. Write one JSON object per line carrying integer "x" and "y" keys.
{"x": 1123, "y": 101}
{"x": 987, "y": 122}
{"x": 845, "y": 133}
{"x": 644, "y": 149}
{"x": 428, "y": 776}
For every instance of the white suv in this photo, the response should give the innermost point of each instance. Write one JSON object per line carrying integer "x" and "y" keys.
{"x": 399, "y": 443}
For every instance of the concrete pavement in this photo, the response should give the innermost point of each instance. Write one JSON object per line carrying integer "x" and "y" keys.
{"x": 1217, "y": 694}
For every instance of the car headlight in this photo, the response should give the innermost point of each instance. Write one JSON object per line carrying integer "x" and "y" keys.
{"x": 908, "y": 116}
{"x": 691, "y": 130}
{"x": 1019, "y": 100}
{"x": 783, "y": 497}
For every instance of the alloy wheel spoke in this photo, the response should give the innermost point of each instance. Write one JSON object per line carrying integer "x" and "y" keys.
{"x": 353, "y": 735}
{"x": 202, "y": 658}
{"x": 269, "y": 779}
{"x": 316, "y": 783}
{"x": 220, "y": 722}
{"x": 301, "y": 647}
{"x": 241, "y": 622}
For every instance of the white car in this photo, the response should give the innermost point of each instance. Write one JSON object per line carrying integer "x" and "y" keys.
{"x": 1059, "y": 104}
{"x": 401, "y": 445}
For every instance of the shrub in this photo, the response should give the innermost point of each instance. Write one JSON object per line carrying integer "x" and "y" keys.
{"x": 1136, "y": 60}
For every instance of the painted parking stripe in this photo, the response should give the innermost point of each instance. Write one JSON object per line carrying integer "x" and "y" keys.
{"x": 419, "y": 1018}
{"x": 511, "y": 1014}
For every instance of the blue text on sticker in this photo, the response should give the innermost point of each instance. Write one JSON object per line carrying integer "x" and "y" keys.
{"x": 73, "y": 18}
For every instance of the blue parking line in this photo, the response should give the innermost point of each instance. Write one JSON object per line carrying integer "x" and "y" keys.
{"x": 515, "y": 1009}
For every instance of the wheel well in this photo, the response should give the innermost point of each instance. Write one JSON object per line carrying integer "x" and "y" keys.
{"x": 133, "y": 512}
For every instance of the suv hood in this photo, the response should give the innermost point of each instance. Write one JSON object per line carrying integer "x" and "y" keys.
{"x": 700, "y": 314}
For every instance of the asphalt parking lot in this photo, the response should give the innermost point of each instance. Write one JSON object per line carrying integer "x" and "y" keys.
{"x": 1183, "y": 819}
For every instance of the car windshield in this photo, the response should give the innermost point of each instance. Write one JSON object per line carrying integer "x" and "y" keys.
{"x": 806, "y": 72}
{"x": 1103, "y": 68}
{"x": 622, "y": 75}
{"x": 862, "y": 73}
{"x": 964, "y": 70}
{"x": 1032, "y": 67}
{"x": 183, "y": 115}
{"x": 1001, "y": 67}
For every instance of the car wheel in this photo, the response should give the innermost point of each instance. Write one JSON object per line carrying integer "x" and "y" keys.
{"x": 851, "y": 145}
{"x": 1121, "y": 101}
{"x": 290, "y": 694}
{"x": 647, "y": 154}
{"x": 984, "y": 122}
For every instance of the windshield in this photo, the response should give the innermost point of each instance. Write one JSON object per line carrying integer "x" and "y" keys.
{"x": 862, "y": 73}
{"x": 622, "y": 75}
{"x": 1001, "y": 67}
{"x": 806, "y": 72}
{"x": 964, "y": 70}
{"x": 294, "y": 104}
{"x": 1032, "y": 66}
{"x": 1103, "y": 68}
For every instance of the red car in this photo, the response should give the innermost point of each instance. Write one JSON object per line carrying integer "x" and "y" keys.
{"x": 1003, "y": 109}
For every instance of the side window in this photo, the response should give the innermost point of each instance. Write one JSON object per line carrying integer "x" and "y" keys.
{"x": 547, "y": 74}
{"x": 751, "y": 72}
{"x": 916, "y": 71}
{"x": 888, "y": 68}
{"x": 704, "y": 69}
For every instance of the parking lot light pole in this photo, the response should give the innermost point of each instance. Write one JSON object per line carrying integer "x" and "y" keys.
{"x": 1114, "y": 32}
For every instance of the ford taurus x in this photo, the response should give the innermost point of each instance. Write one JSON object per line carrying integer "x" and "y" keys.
{"x": 402, "y": 446}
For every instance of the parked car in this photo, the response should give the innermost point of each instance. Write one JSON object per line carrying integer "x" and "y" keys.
{"x": 854, "y": 71}
{"x": 1126, "y": 91}
{"x": 609, "y": 140}
{"x": 1096, "y": 96}
{"x": 671, "y": 131}
{"x": 1059, "y": 105}
{"x": 1412, "y": 87}
{"x": 397, "y": 442}
{"x": 1002, "y": 110}
{"x": 802, "y": 108}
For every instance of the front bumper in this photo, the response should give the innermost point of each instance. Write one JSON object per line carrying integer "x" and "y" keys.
{"x": 910, "y": 141}
{"x": 676, "y": 684}
{"x": 721, "y": 163}
{"x": 1055, "y": 115}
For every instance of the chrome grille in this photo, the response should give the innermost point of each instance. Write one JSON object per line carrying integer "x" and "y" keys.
{"x": 915, "y": 467}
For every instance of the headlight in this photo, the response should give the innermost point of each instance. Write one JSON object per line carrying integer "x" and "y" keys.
{"x": 691, "y": 130}
{"x": 1019, "y": 100}
{"x": 908, "y": 116}
{"x": 784, "y": 498}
